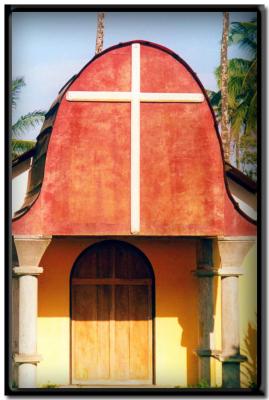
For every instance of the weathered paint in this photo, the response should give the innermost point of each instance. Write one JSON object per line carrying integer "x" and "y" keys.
{"x": 86, "y": 188}
{"x": 235, "y": 224}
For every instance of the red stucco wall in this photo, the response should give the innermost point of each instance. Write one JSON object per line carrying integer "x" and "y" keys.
{"x": 86, "y": 188}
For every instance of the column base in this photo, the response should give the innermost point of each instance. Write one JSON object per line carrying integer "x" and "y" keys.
{"x": 230, "y": 369}
{"x": 207, "y": 353}
{"x": 27, "y": 369}
{"x": 27, "y": 376}
{"x": 231, "y": 375}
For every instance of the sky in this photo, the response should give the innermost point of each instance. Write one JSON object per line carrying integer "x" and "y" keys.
{"x": 48, "y": 48}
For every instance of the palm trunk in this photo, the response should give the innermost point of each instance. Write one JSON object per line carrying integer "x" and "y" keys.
{"x": 225, "y": 134}
{"x": 100, "y": 32}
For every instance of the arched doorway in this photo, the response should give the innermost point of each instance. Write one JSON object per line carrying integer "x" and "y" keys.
{"x": 111, "y": 315}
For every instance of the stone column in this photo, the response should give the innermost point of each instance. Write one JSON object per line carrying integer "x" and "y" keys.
{"x": 232, "y": 253}
{"x": 205, "y": 273}
{"x": 29, "y": 253}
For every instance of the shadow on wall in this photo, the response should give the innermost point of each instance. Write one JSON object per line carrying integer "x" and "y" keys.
{"x": 249, "y": 368}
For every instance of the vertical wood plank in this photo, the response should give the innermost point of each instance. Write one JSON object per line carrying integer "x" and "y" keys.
{"x": 150, "y": 334}
{"x": 122, "y": 342}
{"x": 104, "y": 301}
{"x": 112, "y": 336}
{"x": 85, "y": 340}
{"x": 139, "y": 333}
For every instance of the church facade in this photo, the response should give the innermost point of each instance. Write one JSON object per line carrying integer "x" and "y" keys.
{"x": 134, "y": 263}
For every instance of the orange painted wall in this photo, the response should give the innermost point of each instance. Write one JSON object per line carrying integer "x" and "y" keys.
{"x": 176, "y": 327}
{"x": 176, "y": 314}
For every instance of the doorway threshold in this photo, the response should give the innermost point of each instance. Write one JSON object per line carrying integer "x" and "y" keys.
{"x": 103, "y": 386}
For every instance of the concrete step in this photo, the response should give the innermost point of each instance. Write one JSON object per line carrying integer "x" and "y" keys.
{"x": 115, "y": 387}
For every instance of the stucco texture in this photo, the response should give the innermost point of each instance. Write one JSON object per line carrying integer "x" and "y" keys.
{"x": 86, "y": 186}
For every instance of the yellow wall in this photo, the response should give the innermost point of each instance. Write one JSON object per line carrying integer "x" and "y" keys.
{"x": 176, "y": 319}
{"x": 176, "y": 336}
{"x": 216, "y": 371}
{"x": 248, "y": 318}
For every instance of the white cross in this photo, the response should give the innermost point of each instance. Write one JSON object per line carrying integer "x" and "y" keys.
{"x": 135, "y": 97}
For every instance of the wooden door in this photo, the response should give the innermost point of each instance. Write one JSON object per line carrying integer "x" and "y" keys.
{"x": 111, "y": 289}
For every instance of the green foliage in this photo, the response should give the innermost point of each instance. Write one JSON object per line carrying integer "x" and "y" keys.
{"x": 249, "y": 155}
{"x": 26, "y": 121}
{"x": 19, "y": 146}
{"x": 202, "y": 384}
{"x": 242, "y": 97}
{"x": 49, "y": 385}
{"x": 20, "y": 127}
{"x": 17, "y": 84}
{"x": 253, "y": 385}
{"x": 14, "y": 385}
{"x": 245, "y": 34}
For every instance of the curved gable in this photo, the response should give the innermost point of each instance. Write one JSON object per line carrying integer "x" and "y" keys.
{"x": 83, "y": 160}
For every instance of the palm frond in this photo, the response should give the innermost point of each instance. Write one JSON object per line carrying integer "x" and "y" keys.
{"x": 17, "y": 84}
{"x": 251, "y": 76}
{"x": 238, "y": 66}
{"x": 251, "y": 125}
{"x": 19, "y": 147}
{"x": 245, "y": 35}
{"x": 235, "y": 88}
{"x": 214, "y": 98}
{"x": 27, "y": 121}
{"x": 238, "y": 119}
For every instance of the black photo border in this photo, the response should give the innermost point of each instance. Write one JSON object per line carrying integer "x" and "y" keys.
{"x": 260, "y": 390}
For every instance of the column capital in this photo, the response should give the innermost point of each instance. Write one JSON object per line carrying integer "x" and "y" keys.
{"x": 28, "y": 250}
{"x": 236, "y": 238}
{"x": 32, "y": 237}
{"x": 27, "y": 270}
{"x": 233, "y": 250}
{"x": 230, "y": 271}
{"x": 227, "y": 271}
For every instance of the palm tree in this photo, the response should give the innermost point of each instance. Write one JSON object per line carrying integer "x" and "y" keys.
{"x": 245, "y": 35}
{"x": 21, "y": 126}
{"x": 225, "y": 134}
{"x": 100, "y": 32}
{"x": 242, "y": 96}
{"x": 242, "y": 93}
